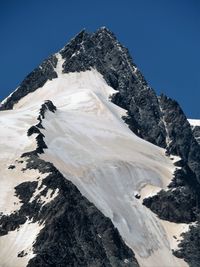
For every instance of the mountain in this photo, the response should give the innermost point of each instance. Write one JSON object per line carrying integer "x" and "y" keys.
{"x": 96, "y": 169}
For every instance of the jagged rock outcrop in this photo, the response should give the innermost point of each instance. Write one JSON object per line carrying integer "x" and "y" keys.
{"x": 185, "y": 187}
{"x": 189, "y": 247}
{"x": 181, "y": 140}
{"x": 37, "y": 78}
{"x": 181, "y": 202}
{"x": 196, "y": 132}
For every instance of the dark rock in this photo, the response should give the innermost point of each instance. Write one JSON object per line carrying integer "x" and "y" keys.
{"x": 189, "y": 247}
{"x": 48, "y": 105}
{"x": 175, "y": 205}
{"x": 22, "y": 254}
{"x": 33, "y": 130}
{"x": 25, "y": 190}
{"x": 179, "y": 163}
{"x": 33, "y": 81}
{"x": 185, "y": 186}
{"x": 40, "y": 143}
{"x": 11, "y": 167}
{"x": 138, "y": 196}
{"x": 196, "y": 133}
{"x": 182, "y": 141}
{"x": 11, "y": 222}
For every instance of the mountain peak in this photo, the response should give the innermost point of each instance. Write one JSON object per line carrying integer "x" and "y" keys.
{"x": 105, "y": 30}
{"x": 88, "y": 149}
{"x": 83, "y": 52}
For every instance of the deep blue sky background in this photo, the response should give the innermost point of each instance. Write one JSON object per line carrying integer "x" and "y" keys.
{"x": 163, "y": 37}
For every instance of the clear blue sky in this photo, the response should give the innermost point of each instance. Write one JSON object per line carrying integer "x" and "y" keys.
{"x": 163, "y": 37}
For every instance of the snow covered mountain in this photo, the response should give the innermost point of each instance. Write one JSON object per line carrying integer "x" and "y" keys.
{"x": 96, "y": 170}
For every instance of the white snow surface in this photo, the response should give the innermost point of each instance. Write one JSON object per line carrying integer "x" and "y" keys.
{"x": 91, "y": 145}
{"x": 17, "y": 241}
{"x": 194, "y": 122}
{"x": 13, "y": 143}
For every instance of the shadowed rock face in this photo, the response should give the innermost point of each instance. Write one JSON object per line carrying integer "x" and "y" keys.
{"x": 189, "y": 247}
{"x": 37, "y": 78}
{"x": 196, "y": 133}
{"x": 181, "y": 202}
{"x": 182, "y": 141}
{"x": 75, "y": 232}
{"x": 158, "y": 120}
{"x": 187, "y": 180}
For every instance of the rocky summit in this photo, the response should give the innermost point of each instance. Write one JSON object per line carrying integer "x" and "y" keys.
{"x": 96, "y": 169}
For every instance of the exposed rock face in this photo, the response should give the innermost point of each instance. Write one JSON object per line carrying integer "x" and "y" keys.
{"x": 182, "y": 141}
{"x": 181, "y": 202}
{"x": 189, "y": 247}
{"x": 37, "y": 78}
{"x": 183, "y": 144}
{"x": 196, "y": 133}
{"x": 75, "y": 232}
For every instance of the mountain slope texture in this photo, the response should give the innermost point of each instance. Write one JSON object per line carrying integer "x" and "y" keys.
{"x": 96, "y": 169}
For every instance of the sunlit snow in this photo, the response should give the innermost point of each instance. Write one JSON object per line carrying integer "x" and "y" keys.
{"x": 91, "y": 145}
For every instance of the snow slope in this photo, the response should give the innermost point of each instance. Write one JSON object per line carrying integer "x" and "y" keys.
{"x": 91, "y": 145}
{"x": 194, "y": 122}
{"x": 17, "y": 241}
{"x": 13, "y": 142}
